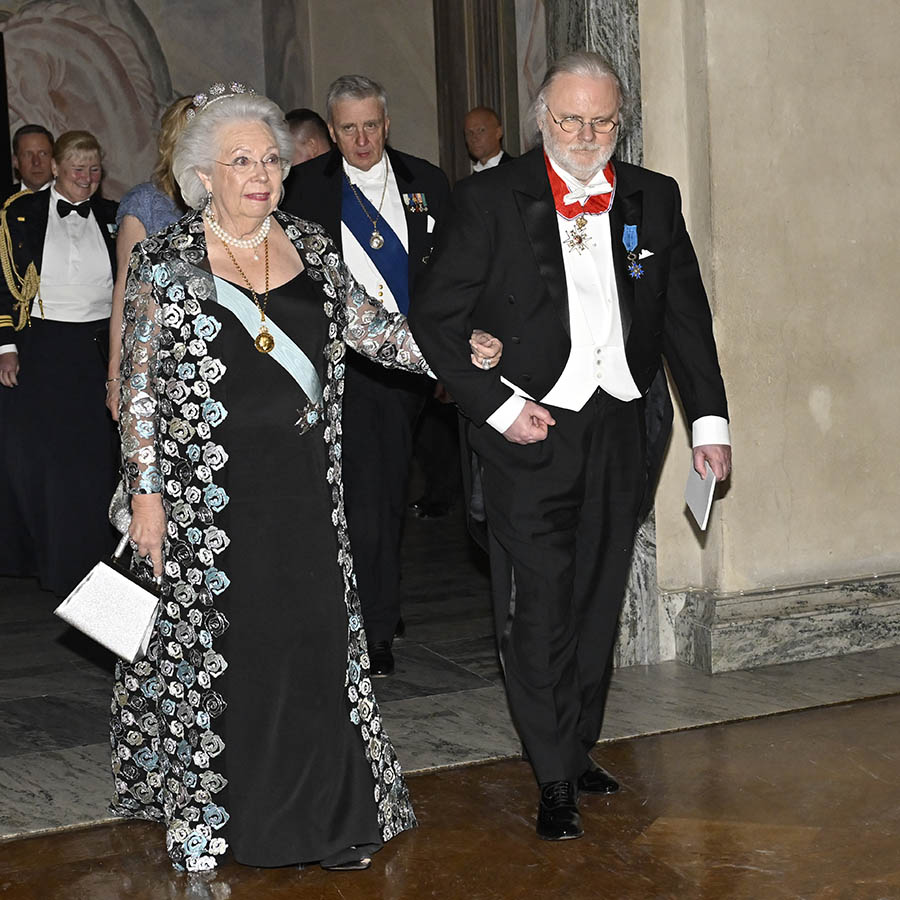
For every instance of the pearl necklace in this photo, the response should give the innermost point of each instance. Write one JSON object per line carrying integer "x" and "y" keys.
{"x": 245, "y": 243}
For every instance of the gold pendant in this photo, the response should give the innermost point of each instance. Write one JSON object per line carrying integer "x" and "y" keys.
{"x": 264, "y": 342}
{"x": 376, "y": 242}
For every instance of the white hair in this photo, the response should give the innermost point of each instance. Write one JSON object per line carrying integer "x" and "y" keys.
{"x": 588, "y": 65}
{"x": 353, "y": 87}
{"x": 198, "y": 146}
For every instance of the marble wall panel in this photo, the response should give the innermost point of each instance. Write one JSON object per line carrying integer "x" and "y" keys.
{"x": 609, "y": 27}
{"x": 724, "y": 633}
{"x": 531, "y": 53}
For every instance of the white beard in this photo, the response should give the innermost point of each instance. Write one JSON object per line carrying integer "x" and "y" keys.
{"x": 582, "y": 160}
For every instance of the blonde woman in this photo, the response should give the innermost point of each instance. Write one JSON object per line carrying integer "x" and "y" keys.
{"x": 57, "y": 445}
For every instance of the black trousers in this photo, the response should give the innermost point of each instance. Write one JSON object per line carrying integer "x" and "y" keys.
{"x": 58, "y": 457}
{"x": 562, "y": 517}
{"x": 436, "y": 449}
{"x": 380, "y": 411}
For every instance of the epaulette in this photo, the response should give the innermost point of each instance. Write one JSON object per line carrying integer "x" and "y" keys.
{"x": 24, "y": 288}
{"x": 15, "y": 196}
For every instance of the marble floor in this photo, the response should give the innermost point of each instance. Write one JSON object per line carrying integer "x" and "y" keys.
{"x": 801, "y": 806}
{"x": 444, "y": 706}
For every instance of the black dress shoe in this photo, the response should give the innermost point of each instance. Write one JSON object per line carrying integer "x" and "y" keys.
{"x": 558, "y": 818}
{"x": 353, "y": 859}
{"x": 595, "y": 780}
{"x": 353, "y": 865}
{"x": 381, "y": 660}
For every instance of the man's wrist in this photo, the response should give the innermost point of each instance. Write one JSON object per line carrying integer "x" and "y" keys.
{"x": 710, "y": 430}
{"x": 502, "y": 417}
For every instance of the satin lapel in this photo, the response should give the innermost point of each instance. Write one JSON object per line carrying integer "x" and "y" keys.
{"x": 535, "y": 202}
{"x": 626, "y": 210}
{"x": 109, "y": 239}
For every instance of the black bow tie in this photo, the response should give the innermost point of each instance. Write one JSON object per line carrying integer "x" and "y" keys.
{"x": 63, "y": 207}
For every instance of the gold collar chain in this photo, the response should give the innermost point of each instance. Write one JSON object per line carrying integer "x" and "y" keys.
{"x": 376, "y": 241}
{"x": 264, "y": 341}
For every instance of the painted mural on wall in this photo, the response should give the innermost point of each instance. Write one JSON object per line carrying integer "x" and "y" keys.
{"x": 93, "y": 65}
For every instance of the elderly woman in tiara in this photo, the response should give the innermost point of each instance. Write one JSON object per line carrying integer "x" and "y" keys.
{"x": 252, "y": 722}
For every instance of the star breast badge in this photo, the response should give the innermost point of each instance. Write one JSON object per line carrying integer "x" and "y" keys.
{"x": 577, "y": 238}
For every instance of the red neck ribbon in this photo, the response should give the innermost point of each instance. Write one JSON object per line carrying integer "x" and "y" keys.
{"x": 600, "y": 203}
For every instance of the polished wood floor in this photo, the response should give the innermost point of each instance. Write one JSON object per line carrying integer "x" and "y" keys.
{"x": 801, "y": 805}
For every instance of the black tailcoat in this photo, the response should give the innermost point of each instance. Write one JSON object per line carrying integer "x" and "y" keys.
{"x": 562, "y": 513}
{"x": 380, "y": 406}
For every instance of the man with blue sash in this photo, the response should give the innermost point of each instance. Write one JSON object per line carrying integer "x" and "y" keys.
{"x": 381, "y": 208}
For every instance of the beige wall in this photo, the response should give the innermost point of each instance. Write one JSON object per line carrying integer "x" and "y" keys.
{"x": 780, "y": 121}
{"x": 391, "y": 41}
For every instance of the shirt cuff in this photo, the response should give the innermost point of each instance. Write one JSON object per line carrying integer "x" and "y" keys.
{"x": 8, "y": 348}
{"x": 710, "y": 430}
{"x": 502, "y": 417}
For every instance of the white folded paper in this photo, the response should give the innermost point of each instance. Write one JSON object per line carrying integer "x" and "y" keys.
{"x": 698, "y": 494}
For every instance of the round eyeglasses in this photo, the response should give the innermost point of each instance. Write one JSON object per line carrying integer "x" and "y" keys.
{"x": 574, "y": 124}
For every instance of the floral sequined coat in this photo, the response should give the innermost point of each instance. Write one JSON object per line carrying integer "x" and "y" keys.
{"x": 164, "y": 733}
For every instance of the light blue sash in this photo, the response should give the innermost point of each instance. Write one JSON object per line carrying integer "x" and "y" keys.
{"x": 286, "y": 353}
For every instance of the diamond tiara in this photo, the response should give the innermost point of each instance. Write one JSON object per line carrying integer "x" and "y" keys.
{"x": 217, "y": 91}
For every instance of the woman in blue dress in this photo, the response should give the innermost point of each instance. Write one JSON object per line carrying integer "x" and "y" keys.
{"x": 147, "y": 208}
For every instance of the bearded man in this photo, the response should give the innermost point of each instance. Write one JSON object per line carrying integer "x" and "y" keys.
{"x": 584, "y": 269}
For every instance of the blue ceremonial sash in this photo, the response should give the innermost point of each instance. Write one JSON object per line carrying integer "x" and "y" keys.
{"x": 391, "y": 260}
{"x": 286, "y": 353}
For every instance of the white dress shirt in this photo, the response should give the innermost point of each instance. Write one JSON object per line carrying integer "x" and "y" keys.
{"x": 371, "y": 184}
{"x": 489, "y": 164}
{"x": 597, "y": 355}
{"x": 76, "y": 276}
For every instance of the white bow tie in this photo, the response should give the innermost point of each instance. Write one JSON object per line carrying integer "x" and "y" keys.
{"x": 583, "y": 192}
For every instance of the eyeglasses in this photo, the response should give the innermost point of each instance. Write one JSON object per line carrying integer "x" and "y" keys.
{"x": 574, "y": 124}
{"x": 271, "y": 163}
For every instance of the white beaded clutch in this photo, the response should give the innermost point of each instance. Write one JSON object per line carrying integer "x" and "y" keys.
{"x": 113, "y": 608}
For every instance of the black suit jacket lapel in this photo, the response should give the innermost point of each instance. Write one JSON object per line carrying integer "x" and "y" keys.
{"x": 37, "y": 227}
{"x": 627, "y": 209}
{"x": 538, "y": 212}
{"x": 100, "y": 208}
{"x": 328, "y": 212}
{"x": 416, "y": 223}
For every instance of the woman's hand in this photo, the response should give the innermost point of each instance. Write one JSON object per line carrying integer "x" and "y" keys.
{"x": 112, "y": 398}
{"x": 486, "y": 349}
{"x": 148, "y": 528}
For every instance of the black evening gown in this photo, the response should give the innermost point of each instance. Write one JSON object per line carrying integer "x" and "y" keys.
{"x": 299, "y": 787}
